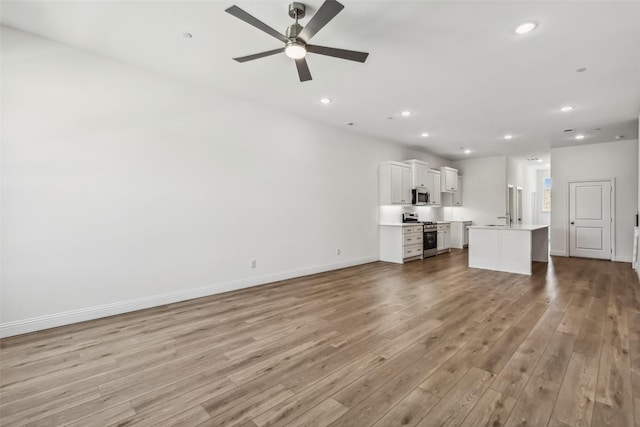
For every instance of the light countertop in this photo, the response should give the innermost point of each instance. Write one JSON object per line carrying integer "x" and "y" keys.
{"x": 518, "y": 227}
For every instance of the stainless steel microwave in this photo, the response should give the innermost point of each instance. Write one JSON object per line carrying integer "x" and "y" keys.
{"x": 419, "y": 196}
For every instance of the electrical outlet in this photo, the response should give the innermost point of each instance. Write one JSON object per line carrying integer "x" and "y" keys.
{"x": 338, "y": 252}
{"x": 253, "y": 263}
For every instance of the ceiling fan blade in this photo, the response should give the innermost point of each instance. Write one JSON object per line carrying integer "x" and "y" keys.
{"x": 258, "y": 55}
{"x": 251, "y": 20}
{"x": 303, "y": 69}
{"x": 328, "y": 11}
{"x": 351, "y": 55}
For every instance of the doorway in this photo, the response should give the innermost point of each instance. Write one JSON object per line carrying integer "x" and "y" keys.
{"x": 518, "y": 205}
{"x": 511, "y": 205}
{"x": 590, "y": 219}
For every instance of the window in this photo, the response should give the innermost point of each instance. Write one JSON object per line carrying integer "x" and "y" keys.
{"x": 546, "y": 186}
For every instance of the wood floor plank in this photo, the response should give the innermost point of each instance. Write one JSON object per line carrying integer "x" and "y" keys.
{"x": 303, "y": 401}
{"x": 534, "y": 405}
{"x": 43, "y": 405}
{"x": 555, "y": 359}
{"x": 614, "y": 387}
{"x": 169, "y": 415}
{"x": 321, "y": 415}
{"x": 498, "y": 356}
{"x": 368, "y": 411}
{"x": 493, "y": 409}
{"x": 251, "y": 408}
{"x": 430, "y": 342}
{"x": 410, "y": 410}
{"x": 574, "y": 405}
{"x": 519, "y": 368}
{"x": 605, "y": 415}
{"x": 634, "y": 359}
{"x": 454, "y": 407}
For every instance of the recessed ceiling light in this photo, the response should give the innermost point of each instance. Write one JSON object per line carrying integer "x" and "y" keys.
{"x": 566, "y": 108}
{"x": 619, "y": 136}
{"x": 581, "y": 70}
{"x": 424, "y": 134}
{"x": 508, "y": 136}
{"x": 350, "y": 124}
{"x": 187, "y": 35}
{"x": 467, "y": 151}
{"x": 325, "y": 101}
{"x": 580, "y": 136}
{"x": 406, "y": 113}
{"x": 526, "y": 27}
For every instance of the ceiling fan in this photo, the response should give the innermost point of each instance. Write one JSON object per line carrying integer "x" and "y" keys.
{"x": 297, "y": 37}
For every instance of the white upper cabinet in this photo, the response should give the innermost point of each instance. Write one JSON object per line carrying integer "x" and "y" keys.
{"x": 457, "y": 196}
{"x": 448, "y": 179}
{"x": 433, "y": 185}
{"x": 395, "y": 183}
{"x": 419, "y": 173}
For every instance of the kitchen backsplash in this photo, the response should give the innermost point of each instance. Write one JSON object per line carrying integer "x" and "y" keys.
{"x": 393, "y": 214}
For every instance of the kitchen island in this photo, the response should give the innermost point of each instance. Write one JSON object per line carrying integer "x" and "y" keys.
{"x": 511, "y": 249}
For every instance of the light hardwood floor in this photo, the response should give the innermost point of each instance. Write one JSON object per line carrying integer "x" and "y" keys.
{"x": 427, "y": 343}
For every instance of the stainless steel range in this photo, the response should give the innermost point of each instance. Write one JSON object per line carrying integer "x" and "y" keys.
{"x": 430, "y": 240}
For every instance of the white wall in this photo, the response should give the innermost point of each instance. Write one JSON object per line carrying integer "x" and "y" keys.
{"x": 484, "y": 190}
{"x": 617, "y": 160}
{"x": 543, "y": 217}
{"x": 124, "y": 189}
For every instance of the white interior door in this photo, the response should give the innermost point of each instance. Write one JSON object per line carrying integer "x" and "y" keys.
{"x": 590, "y": 219}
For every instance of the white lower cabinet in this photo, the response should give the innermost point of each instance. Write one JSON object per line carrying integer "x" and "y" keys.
{"x": 400, "y": 243}
{"x": 444, "y": 238}
{"x": 460, "y": 234}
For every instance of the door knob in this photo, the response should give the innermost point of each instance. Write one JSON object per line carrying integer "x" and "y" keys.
{"x": 572, "y": 223}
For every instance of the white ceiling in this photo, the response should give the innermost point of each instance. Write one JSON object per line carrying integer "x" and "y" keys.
{"x": 458, "y": 66}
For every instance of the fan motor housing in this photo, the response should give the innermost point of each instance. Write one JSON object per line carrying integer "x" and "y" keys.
{"x": 293, "y": 30}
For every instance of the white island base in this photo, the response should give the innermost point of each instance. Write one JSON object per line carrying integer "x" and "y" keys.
{"x": 509, "y": 249}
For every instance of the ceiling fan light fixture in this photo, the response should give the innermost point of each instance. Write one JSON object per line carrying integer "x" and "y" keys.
{"x": 295, "y": 50}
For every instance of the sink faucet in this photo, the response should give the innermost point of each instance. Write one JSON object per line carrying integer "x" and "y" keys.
{"x": 507, "y": 219}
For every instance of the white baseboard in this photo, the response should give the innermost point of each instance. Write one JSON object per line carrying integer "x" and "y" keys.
{"x": 559, "y": 253}
{"x": 622, "y": 259}
{"x": 90, "y": 313}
